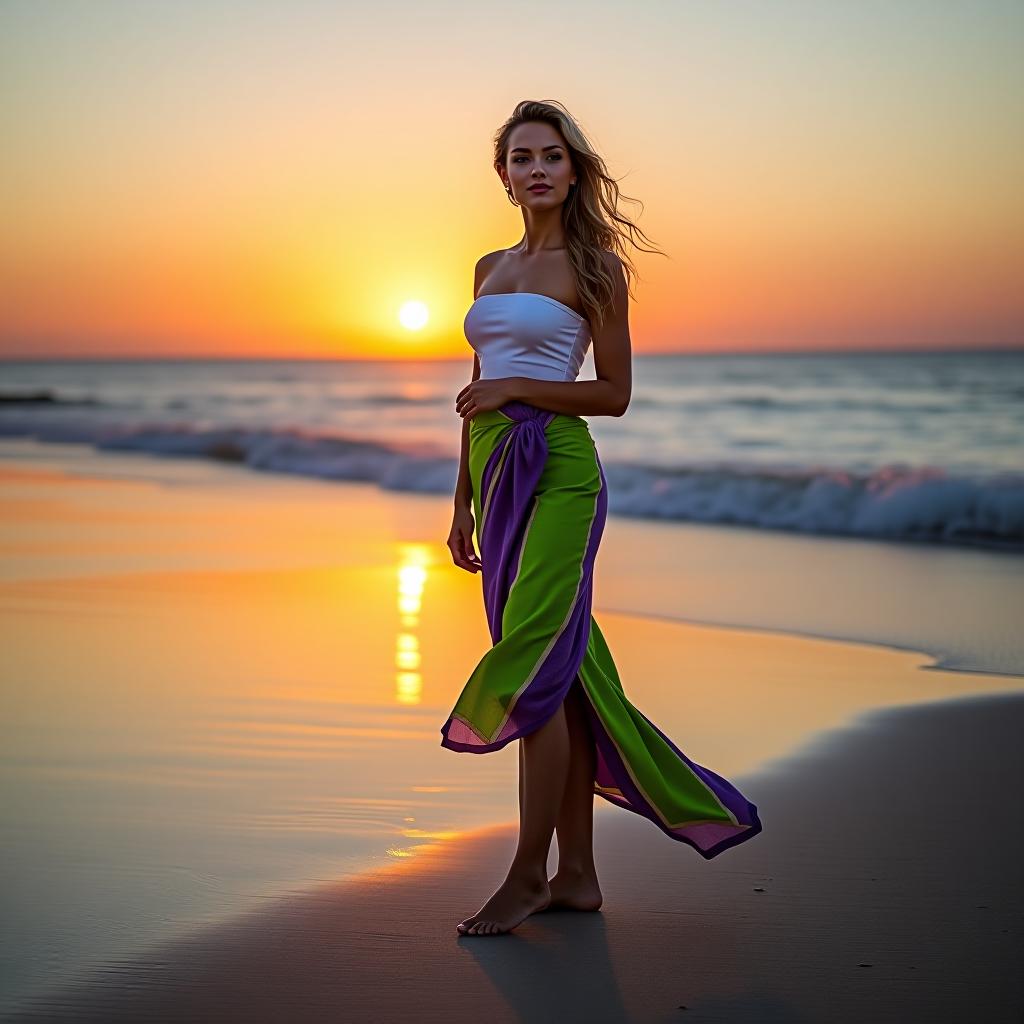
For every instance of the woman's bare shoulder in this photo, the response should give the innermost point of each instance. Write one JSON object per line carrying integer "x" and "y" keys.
{"x": 489, "y": 259}
{"x": 484, "y": 266}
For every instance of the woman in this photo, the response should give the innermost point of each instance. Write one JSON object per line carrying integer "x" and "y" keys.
{"x": 530, "y": 479}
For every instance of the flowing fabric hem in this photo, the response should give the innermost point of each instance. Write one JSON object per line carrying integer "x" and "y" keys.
{"x": 630, "y": 798}
{"x": 488, "y": 747}
{"x": 633, "y": 800}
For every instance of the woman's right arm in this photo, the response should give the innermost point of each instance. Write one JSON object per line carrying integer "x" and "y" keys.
{"x": 460, "y": 539}
{"x": 464, "y": 485}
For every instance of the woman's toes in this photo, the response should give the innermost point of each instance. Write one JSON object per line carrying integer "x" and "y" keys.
{"x": 478, "y": 926}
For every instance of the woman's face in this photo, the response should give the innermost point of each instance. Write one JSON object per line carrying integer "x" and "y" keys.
{"x": 537, "y": 156}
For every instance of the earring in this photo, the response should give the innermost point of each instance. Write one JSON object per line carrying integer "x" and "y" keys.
{"x": 508, "y": 192}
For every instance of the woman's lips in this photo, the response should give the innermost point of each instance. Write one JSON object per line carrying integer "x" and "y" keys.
{"x": 539, "y": 188}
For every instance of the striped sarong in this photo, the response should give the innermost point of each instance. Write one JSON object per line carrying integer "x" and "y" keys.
{"x": 540, "y": 500}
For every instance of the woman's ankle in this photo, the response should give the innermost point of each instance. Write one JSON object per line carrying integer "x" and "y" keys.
{"x": 576, "y": 869}
{"x": 533, "y": 874}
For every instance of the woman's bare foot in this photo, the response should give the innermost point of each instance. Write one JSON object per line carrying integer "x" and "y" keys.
{"x": 574, "y": 890}
{"x": 514, "y": 901}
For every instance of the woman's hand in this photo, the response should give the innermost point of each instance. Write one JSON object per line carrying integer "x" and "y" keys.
{"x": 460, "y": 540}
{"x": 485, "y": 394}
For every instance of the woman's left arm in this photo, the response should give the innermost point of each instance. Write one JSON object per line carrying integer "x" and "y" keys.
{"x": 610, "y": 393}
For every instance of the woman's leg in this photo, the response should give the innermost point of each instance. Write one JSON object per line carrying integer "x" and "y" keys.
{"x": 545, "y": 767}
{"x": 574, "y": 885}
{"x": 574, "y": 825}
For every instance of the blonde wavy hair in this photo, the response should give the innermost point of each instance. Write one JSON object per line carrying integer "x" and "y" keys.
{"x": 590, "y": 215}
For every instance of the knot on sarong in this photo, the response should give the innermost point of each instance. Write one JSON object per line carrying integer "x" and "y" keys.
{"x": 527, "y": 438}
{"x": 526, "y": 415}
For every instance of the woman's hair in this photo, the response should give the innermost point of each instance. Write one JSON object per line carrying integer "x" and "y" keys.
{"x": 590, "y": 215}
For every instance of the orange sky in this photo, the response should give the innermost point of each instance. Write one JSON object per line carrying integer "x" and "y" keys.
{"x": 225, "y": 178}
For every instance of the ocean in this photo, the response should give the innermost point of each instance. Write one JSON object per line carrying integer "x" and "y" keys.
{"x": 900, "y": 446}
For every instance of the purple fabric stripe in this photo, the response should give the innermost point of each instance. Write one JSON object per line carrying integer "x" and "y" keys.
{"x": 506, "y": 515}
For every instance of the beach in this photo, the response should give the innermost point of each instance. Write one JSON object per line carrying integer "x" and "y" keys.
{"x": 224, "y": 786}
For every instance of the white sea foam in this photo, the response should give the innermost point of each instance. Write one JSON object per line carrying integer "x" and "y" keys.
{"x": 893, "y": 501}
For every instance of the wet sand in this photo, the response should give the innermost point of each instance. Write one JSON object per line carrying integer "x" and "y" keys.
{"x": 885, "y": 887}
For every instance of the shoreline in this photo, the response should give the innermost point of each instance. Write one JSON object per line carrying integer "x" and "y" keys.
{"x": 213, "y": 448}
{"x": 937, "y": 665}
{"x": 629, "y": 540}
{"x": 845, "y": 908}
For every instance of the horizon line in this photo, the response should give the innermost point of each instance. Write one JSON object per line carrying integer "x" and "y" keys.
{"x": 698, "y": 353}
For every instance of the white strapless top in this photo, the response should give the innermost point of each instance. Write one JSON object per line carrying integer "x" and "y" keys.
{"x": 526, "y": 334}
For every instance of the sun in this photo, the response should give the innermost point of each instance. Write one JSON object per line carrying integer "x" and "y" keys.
{"x": 413, "y": 315}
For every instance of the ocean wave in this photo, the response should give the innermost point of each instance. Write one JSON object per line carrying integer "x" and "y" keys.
{"x": 893, "y": 502}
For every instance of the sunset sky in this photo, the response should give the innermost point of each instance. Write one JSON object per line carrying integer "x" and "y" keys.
{"x": 277, "y": 179}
